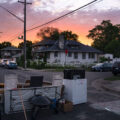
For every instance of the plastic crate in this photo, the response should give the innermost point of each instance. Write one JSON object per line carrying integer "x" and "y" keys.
{"x": 74, "y": 74}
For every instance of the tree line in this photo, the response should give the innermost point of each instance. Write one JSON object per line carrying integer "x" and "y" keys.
{"x": 54, "y": 33}
{"x": 43, "y": 34}
{"x": 106, "y": 37}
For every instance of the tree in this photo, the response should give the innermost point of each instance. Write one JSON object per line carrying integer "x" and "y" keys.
{"x": 5, "y": 44}
{"x": 113, "y": 47}
{"x": 103, "y": 34}
{"x": 0, "y": 46}
{"x": 28, "y": 48}
{"x": 48, "y": 33}
{"x": 68, "y": 35}
{"x": 53, "y": 34}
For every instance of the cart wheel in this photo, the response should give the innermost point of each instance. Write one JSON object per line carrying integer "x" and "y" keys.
{"x": 56, "y": 111}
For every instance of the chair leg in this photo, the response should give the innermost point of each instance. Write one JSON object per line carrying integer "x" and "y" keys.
{"x": 35, "y": 111}
{"x": 56, "y": 110}
{"x": 0, "y": 115}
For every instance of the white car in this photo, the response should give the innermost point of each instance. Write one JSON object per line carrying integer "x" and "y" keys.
{"x": 3, "y": 62}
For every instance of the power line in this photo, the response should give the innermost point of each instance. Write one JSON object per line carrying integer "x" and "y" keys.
{"x": 62, "y": 16}
{"x": 12, "y": 13}
{"x": 15, "y": 37}
{"x": 1, "y": 33}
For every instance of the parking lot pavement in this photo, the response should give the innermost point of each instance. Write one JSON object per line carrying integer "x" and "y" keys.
{"x": 112, "y": 86}
{"x": 113, "y": 106}
{"x": 24, "y": 75}
{"x": 48, "y": 75}
{"x": 80, "y": 112}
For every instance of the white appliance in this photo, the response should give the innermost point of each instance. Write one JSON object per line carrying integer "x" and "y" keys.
{"x": 76, "y": 90}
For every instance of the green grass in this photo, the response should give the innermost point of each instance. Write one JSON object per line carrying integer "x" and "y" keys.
{"x": 117, "y": 77}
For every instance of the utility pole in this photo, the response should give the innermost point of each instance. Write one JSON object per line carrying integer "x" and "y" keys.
{"x": 25, "y": 3}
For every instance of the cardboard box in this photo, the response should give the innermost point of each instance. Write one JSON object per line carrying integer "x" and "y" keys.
{"x": 67, "y": 106}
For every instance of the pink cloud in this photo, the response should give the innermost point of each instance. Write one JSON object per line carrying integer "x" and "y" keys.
{"x": 80, "y": 22}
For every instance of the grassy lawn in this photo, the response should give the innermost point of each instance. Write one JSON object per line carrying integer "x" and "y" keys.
{"x": 117, "y": 77}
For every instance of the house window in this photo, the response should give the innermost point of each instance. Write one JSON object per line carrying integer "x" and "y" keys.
{"x": 75, "y": 55}
{"x": 91, "y": 55}
{"x": 48, "y": 55}
{"x": 56, "y": 54}
{"x": 83, "y": 55}
{"x": 69, "y": 54}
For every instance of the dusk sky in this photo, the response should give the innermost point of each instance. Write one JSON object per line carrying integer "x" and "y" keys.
{"x": 42, "y": 11}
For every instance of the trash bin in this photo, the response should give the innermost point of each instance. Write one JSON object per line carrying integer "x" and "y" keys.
{"x": 73, "y": 74}
{"x": 75, "y": 86}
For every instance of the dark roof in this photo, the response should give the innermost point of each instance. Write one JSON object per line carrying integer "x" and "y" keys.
{"x": 70, "y": 45}
{"x": 11, "y": 48}
{"x": 86, "y": 48}
{"x": 45, "y": 42}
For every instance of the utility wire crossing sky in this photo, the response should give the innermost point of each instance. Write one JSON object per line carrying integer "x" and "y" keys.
{"x": 42, "y": 11}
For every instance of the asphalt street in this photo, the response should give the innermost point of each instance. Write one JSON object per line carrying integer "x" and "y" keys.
{"x": 81, "y": 112}
{"x": 48, "y": 75}
{"x": 93, "y": 94}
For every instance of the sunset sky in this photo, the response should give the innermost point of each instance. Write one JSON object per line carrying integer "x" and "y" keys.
{"x": 42, "y": 11}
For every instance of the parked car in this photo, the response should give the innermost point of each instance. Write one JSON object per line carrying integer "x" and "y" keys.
{"x": 116, "y": 68}
{"x": 11, "y": 65}
{"x": 3, "y": 62}
{"x": 102, "y": 67}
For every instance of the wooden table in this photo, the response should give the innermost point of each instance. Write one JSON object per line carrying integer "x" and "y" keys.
{"x": 25, "y": 85}
{"x": 19, "y": 85}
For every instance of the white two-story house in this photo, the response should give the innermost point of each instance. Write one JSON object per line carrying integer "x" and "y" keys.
{"x": 65, "y": 52}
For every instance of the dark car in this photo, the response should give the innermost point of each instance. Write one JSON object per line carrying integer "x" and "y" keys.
{"x": 11, "y": 65}
{"x": 116, "y": 68}
{"x": 102, "y": 67}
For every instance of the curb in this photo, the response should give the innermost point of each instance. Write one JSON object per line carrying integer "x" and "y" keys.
{"x": 100, "y": 83}
{"x": 110, "y": 90}
{"x": 42, "y": 70}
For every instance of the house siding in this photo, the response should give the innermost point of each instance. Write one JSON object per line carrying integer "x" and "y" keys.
{"x": 83, "y": 53}
{"x": 65, "y": 59}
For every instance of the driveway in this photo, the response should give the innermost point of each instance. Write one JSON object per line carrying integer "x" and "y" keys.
{"x": 48, "y": 75}
{"x": 87, "y": 111}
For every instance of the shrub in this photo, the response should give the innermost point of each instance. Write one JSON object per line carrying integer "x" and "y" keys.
{"x": 20, "y": 61}
{"x": 28, "y": 63}
{"x": 103, "y": 59}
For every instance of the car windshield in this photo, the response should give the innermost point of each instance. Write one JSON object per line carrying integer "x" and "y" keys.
{"x": 116, "y": 64}
{"x": 99, "y": 64}
{"x": 4, "y": 60}
{"x": 12, "y": 63}
{"x": 107, "y": 64}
